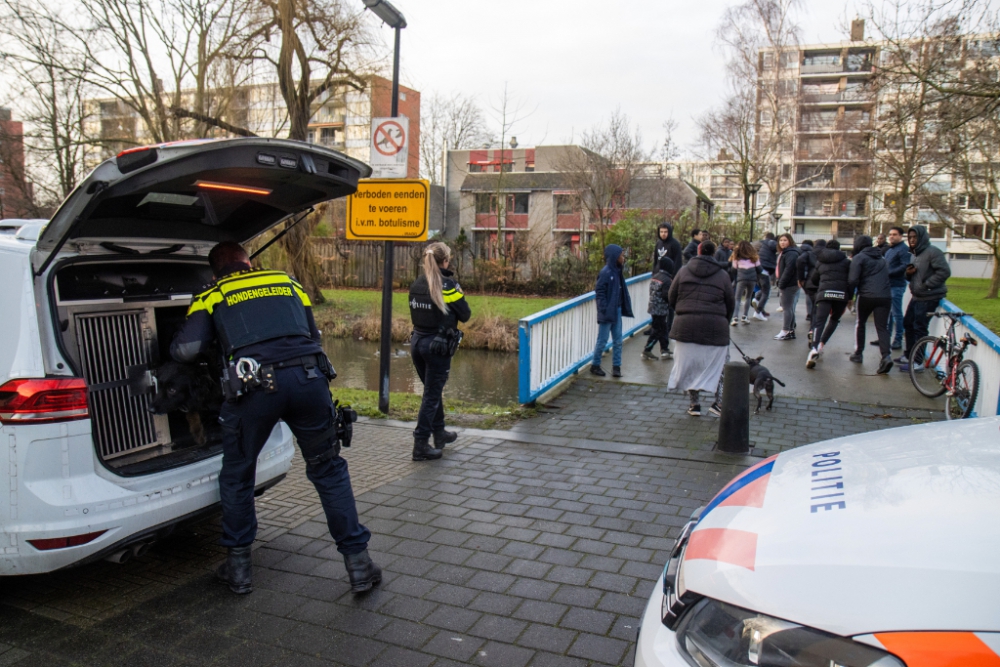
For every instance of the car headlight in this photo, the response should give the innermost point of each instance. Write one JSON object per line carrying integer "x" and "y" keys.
{"x": 716, "y": 634}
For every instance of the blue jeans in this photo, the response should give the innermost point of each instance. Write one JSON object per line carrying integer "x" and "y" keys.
{"x": 896, "y": 327}
{"x": 613, "y": 329}
{"x": 306, "y": 406}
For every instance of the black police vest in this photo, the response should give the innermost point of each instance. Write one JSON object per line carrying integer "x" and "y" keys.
{"x": 424, "y": 313}
{"x": 253, "y": 307}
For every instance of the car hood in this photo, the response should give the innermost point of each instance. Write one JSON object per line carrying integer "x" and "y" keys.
{"x": 889, "y": 531}
{"x": 199, "y": 192}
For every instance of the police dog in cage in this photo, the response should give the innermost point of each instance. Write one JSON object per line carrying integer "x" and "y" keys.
{"x": 190, "y": 388}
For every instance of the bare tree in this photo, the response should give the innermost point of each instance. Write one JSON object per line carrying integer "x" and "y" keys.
{"x": 507, "y": 112}
{"x": 449, "y": 123}
{"x": 602, "y": 172}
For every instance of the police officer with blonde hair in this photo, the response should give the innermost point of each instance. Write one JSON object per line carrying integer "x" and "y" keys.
{"x": 437, "y": 305}
{"x": 275, "y": 369}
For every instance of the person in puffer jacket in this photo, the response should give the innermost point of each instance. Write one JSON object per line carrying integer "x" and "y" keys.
{"x": 659, "y": 308}
{"x": 831, "y": 280}
{"x": 869, "y": 278}
{"x": 927, "y": 275}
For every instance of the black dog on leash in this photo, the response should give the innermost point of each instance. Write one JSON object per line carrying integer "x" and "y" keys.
{"x": 761, "y": 379}
{"x": 190, "y": 388}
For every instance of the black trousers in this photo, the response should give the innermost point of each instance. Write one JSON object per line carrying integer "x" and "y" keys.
{"x": 917, "y": 320}
{"x": 305, "y": 405}
{"x": 765, "y": 289}
{"x": 826, "y": 310}
{"x": 659, "y": 334}
{"x": 433, "y": 370}
{"x": 866, "y": 307}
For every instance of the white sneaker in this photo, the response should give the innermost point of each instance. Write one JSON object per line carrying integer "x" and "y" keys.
{"x": 735, "y": 322}
{"x": 746, "y": 320}
{"x": 779, "y": 309}
{"x": 811, "y": 360}
{"x": 759, "y": 316}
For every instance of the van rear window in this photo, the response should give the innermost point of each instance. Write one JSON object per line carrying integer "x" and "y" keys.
{"x": 131, "y": 280}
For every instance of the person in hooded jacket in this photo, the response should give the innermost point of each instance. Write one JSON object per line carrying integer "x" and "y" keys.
{"x": 768, "y": 253}
{"x": 703, "y": 300}
{"x": 691, "y": 249}
{"x": 659, "y": 308}
{"x": 927, "y": 275}
{"x": 613, "y": 302}
{"x": 788, "y": 284}
{"x": 666, "y": 245}
{"x": 869, "y": 278}
{"x": 804, "y": 265}
{"x": 897, "y": 258}
{"x": 831, "y": 280}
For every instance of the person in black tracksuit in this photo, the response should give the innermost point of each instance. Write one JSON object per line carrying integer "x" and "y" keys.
{"x": 869, "y": 277}
{"x": 437, "y": 305}
{"x": 831, "y": 280}
{"x": 768, "y": 253}
{"x": 265, "y": 318}
{"x": 804, "y": 266}
{"x": 659, "y": 308}
{"x": 670, "y": 247}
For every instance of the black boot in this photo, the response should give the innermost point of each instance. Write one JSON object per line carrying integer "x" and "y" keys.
{"x": 443, "y": 437}
{"x": 363, "y": 573}
{"x": 422, "y": 450}
{"x": 236, "y": 571}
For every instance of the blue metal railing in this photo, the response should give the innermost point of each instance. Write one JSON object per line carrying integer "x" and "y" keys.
{"x": 555, "y": 343}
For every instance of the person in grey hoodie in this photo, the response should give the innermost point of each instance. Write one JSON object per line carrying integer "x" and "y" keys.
{"x": 869, "y": 279}
{"x": 927, "y": 274}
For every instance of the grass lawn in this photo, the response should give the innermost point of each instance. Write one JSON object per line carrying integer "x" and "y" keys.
{"x": 968, "y": 293}
{"x": 358, "y": 302}
{"x": 406, "y": 406}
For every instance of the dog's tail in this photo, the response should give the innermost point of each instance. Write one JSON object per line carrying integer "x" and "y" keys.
{"x": 778, "y": 381}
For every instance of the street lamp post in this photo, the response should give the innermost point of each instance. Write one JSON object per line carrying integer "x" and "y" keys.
{"x": 753, "y": 189}
{"x": 395, "y": 20}
{"x": 777, "y": 219}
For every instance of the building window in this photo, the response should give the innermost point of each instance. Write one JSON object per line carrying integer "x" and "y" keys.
{"x": 567, "y": 204}
{"x": 518, "y": 203}
{"x": 485, "y": 203}
{"x": 977, "y": 201}
{"x": 475, "y": 168}
{"x": 530, "y": 166}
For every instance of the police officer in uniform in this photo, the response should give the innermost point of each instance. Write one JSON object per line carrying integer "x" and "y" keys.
{"x": 264, "y": 326}
{"x": 437, "y": 305}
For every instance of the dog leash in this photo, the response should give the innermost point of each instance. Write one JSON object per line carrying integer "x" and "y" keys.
{"x": 742, "y": 353}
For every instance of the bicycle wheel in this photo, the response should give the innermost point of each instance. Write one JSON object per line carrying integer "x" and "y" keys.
{"x": 962, "y": 401}
{"x": 928, "y": 366}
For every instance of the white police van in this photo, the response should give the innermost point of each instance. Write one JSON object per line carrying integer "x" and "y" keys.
{"x": 90, "y": 303}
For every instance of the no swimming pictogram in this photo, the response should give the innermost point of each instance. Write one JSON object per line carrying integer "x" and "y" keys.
{"x": 390, "y": 138}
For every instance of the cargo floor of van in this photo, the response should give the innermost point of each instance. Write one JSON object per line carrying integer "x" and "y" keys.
{"x": 116, "y": 321}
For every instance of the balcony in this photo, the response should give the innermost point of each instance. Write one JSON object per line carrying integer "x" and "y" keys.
{"x": 843, "y": 97}
{"x": 513, "y": 221}
{"x": 569, "y": 221}
{"x": 823, "y": 68}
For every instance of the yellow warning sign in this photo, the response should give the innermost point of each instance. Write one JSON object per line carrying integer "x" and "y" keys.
{"x": 389, "y": 210}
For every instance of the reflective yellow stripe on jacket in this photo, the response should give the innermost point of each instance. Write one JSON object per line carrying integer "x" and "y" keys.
{"x": 259, "y": 280}
{"x": 452, "y": 295}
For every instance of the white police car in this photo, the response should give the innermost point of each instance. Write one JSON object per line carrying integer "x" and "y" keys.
{"x": 90, "y": 302}
{"x": 877, "y": 550}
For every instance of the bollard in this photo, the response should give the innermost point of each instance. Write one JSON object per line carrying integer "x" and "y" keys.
{"x": 734, "y": 424}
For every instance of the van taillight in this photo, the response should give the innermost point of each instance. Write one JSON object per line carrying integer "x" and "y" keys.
{"x": 51, "y": 543}
{"x": 42, "y": 400}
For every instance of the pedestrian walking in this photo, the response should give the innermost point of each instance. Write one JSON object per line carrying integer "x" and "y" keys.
{"x": 804, "y": 266}
{"x": 768, "y": 254}
{"x": 831, "y": 280}
{"x": 897, "y": 258}
{"x": 927, "y": 273}
{"x": 787, "y": 276}
{"x": 262, "y": 322}
{"x": 747, "y": 267}
{"x": 691, "y": 249}
{"x": 659, "y": 309}
{"x": 702, "y": 298}
{"x": 613, "y": 302}
{"x": 869, "y": 280}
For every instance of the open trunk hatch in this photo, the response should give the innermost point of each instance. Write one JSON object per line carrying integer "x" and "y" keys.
{"x": 207, "y": 191}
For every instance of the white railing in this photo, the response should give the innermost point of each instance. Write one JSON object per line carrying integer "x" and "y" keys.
{"x": 555, "y": 343}
{"x": 986, "y": 355}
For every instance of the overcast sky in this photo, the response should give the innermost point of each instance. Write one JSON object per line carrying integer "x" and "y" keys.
{"x": 572, "y": 62}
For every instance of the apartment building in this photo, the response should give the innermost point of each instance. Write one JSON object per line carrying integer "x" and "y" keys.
{"x": 541, "y": 200}
{"x": 15, "y": 189}
{"x": 341, "y": 118}
{"x": 718, "y": 179}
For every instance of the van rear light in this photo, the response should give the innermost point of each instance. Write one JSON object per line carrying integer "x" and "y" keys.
{"x": 50, "y": 543}
{"x": 231, "y": 187}
{"x": 43, "y": 400}
{"x": 136, "y": 158}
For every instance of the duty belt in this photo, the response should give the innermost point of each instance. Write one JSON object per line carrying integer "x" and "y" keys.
{"x": 247, "y": 374}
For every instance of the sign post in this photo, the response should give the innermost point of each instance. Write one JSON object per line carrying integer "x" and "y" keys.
{"x": 389, "y": 148}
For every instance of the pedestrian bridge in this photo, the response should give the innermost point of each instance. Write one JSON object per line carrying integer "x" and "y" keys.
{"x": 557, "y": 343}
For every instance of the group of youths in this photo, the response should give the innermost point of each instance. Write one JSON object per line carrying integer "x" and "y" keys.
{"x": 696, "y": 292}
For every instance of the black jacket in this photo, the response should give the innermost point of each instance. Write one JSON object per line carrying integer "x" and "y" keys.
{"x": 703, "y": 301}
{"x": 898, "y": 258}
{"x": 690, "y": 250}
{"x": 670, "y": 248}
{"x": 869, "y": 274}
{"x": 805, "y": 264}
{"x": 928, "y": 283}
{"x": 768, "y": 253}
{"x": 788, "y": 275}
{"x": 659, "y": 291}
{"x": 831, "y": 279}
{"x": 426, "y": 317}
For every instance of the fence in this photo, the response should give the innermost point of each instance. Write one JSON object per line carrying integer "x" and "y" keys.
{"x": 986, "y": 355}
{"x": 557, "y": 342}
{"x": 359, "y": 263}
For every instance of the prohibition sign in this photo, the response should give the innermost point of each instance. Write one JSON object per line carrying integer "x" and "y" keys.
{"x": 383, "y": 136}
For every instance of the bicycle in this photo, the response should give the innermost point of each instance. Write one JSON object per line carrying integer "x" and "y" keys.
{"x": 938, "y": 366}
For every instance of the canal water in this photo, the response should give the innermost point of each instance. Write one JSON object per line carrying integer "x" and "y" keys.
{"x": 478, "y": 376}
